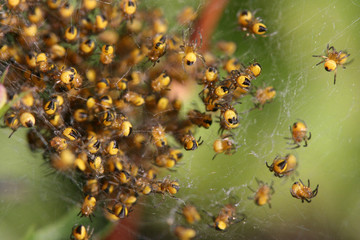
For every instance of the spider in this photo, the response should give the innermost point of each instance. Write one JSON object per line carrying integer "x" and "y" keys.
{"x": 263, "y": 193}
{"x": 228, "y": 215}
{"x": 300, "y": 191}
{"x": 283, "y": 166}
{"x": 190, "y": 51}
{"x": 333, "y": 59}
{"x": 299, "y": 133}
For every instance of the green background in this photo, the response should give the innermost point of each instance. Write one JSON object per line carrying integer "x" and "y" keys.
{"x": 36, "y": 204}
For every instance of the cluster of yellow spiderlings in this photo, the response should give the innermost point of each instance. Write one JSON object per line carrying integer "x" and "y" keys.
{"x": 79, "y": 81}
{"x": 91, "y": 81}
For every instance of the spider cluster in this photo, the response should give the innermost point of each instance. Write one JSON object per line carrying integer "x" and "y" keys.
{"x": 93, "y": 84}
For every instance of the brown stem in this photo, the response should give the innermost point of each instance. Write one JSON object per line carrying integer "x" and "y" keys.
{"x": 208, "y": 21}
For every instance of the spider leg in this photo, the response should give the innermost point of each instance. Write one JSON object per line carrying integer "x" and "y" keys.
{"x": 268, "y": 165}
{"x": 315, "y": 192}
{"x": 90, "y": 231}
{"x": 182, "y": 62}
{"x": 347, "y": 55}
{"x": 201, "y": 40}
{"x": 240, "y": 220}
{"x": 202, "y": 59}
{"x": 256, "y": 106}
{"x": 200, "y": 142}
{"x": 288, "y": 171}
{"x": 272, "y": 188}
{"x": 319, "y": 56}
{"x": 255, "y": 11}
{"x": 228, "y": 135}
{"x": 12, "y": 133}
{"x": 347, "y": 63}
{"x": 233, "y": 149}
{"x": 301, "y": 182}
{"x": 251, "y": 198}
{"x": 335, "y": 76}
{"x": 297, "y": 146}
{"x": 259, "y": 181}
{"x": 320, "y": 62}
{"x": 183, "y": 37}
{"x": 209, "y": 214}
{"x": 293, "y": 194}
{"x": 195, "y": 44}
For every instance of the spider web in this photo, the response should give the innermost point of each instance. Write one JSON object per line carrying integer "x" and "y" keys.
{"x": 306, "y": 92}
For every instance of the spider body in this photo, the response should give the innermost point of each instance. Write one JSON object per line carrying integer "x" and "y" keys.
{"x": 128, "y": 8}
{"x": 229, "y": 118}
{"x": 159, "y": 138}
{"x": 158, "y": 48}
{"x": 283, "y": 166}
{"x": 263, "y": 96}
{"x": 263, "y": 194}
{"x": 300, "y": 191}
{"x": 88, "y": 206}
{"x": 225, "y": 144}
{"x": 190, "y": 143}
{"x": 107, "y": 54}
{"x": 116, "y": 212}
{"x": 200, "y": 119}
{"x": 191, "y": 214}
{"x": 184, "y": 233}
{"x": 166, "y": 185}
{"x": 226, "y": 217}
{"x": 299, "y": 133}
{"x": 81, "y": 233}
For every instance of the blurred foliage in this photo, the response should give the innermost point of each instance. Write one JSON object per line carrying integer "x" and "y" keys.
{"x": 37, "y": 204}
